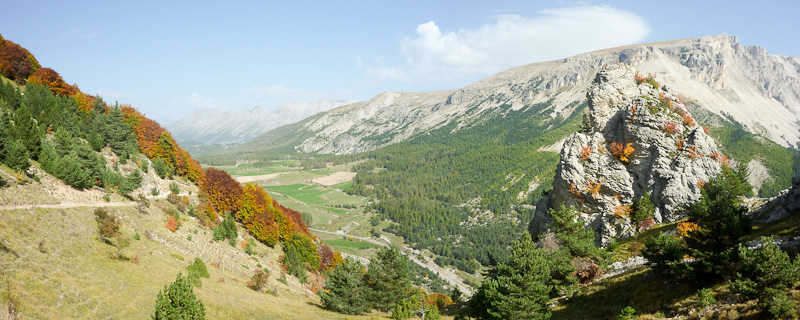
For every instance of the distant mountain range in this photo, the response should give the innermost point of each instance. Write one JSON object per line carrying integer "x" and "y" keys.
{"x": 744, "y": 84}
{"x": 218, "y": 126}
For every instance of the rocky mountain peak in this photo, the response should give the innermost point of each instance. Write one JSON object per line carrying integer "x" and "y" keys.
{"x": 638, "y": 138}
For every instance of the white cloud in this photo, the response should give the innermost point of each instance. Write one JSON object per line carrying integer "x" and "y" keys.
{"x": 512, "y": 40}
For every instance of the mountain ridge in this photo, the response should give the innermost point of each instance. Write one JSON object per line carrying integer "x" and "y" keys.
{"x": 716, "y": 72}
{"x": 220, "y": 126}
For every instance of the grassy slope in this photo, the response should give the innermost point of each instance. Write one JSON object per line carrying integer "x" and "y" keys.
{"x": 54, "y": 267}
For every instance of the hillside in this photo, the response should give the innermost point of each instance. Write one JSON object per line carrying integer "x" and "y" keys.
{"x": 715, "y": 72}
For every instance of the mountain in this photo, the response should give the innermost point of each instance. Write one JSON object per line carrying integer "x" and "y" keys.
{"x": 218, "y": 126}
{"x": 745, "y": 84}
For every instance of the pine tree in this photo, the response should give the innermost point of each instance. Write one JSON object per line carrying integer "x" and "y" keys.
{"x": 344, "y": 291}
{"x": 27, "y": 131}
{"x": 722, "y": 221}
{"x": 16, "y": 156}
{"x": 519, "y": 288}
{"x": 177, "y": 301}
{"x": 387, "y": 279}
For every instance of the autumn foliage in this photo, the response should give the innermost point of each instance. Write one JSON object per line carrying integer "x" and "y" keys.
{"x": 621, "y": 152}
{"x": 224, "y": 193}
{"x": 16, "y": 63}
{"x": 48, "y": 77}
{"x": 155, "y": 142}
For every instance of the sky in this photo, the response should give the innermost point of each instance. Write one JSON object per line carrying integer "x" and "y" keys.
{"x": 170, "y": 58}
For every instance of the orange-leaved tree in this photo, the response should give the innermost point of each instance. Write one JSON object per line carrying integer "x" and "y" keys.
{"x": 224, "y": 193}
{"x": 51, "y": 78}
{"x": 16, "y": 62}
{"x": 155, "y": 142}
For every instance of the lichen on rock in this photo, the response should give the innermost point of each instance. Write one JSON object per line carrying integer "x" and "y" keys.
{"x": 642, "y": 139}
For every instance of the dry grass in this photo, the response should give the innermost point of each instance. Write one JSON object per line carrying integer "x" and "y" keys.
{"x": 58, "y": 269}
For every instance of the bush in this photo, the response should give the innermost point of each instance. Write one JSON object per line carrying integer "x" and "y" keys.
{"x": 764, "y": 274}
{"x": 665, "y": 253}
{"x": 107, "y": 224}
{"x": 627, "y": 314}
{"x": 197, "y": 270}
{"x": 705, "y": 298}
{"x": 258, "y": 281}
{"x": 173, "y": 187}
{"x": 178, "y": 301}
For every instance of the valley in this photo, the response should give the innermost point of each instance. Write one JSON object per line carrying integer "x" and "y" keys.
{"x": 337, "y": 218}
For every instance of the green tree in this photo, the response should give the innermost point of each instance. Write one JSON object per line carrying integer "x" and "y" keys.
{"x": 574, "y": 236}
{"x": 301, "y": 253}
{"x": 519, "y": 288}
{"x": 17, "y": 156}
{"x": 387, "y": 279}
{"x": 178, "y": 301}
{"x": 764, "y": 274}
{"x": 27, "y": 131}
{"x": 642, "y": 209}
{"x": 197, "y": 270}
{"x": 722, "y": 221}
{"x": 344, "y": 290}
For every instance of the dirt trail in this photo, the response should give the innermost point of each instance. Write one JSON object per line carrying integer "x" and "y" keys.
{"x": 64, "y": 205}
{"x": 447, "y": 274}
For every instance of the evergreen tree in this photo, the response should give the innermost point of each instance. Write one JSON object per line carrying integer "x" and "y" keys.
{"x": 519, "y": 288}
{"x": 722, "y": 221}
{"x": 642, "y": 209}
{"x": 177, "y": 301}
{"x": 387, "y": 279}
{"x": 26, "y": 130}
{"x": 765, "y": 273}
{"x": 16, "y": 156}
{"x": 344, "y": 291}
{"x": 574, "y": 236}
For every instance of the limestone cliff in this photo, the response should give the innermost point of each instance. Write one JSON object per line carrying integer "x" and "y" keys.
{"x": 757, "y": 89}
{"x": 639, "y": 138}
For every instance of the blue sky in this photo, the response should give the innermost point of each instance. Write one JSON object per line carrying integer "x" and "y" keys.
{"x": 169, "y": 58}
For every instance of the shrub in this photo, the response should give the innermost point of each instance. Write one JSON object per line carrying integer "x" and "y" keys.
{"x": 649, "y": 79}
{"x": 258, "y": 281}
{"x": 154, "y": 191}
{"x": 764, "y": 274}
{"x": 173, "y": 224}
{"x": 173, "y": 187}
{"x": 627, "y": 314}
{"x": 642, "y": 210}
{"x": 705, "y": 298}
{"x": 621, "y": 152}
{"x": 107, "y": 224}
{"x": 665, "y": 253}
{"x": 671, "y": 127}
{"x": 197, "y": 270}
{"x": 178, "y": 301}
{"x": 585, "y": 152}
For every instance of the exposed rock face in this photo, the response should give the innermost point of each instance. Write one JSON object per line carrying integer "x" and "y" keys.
{"x": 785, "y": 204}
{"x": 642, "y": 139}
{"x": 759, "y": 90}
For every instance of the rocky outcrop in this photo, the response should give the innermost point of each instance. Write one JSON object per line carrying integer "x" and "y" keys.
{"x": 640, "y": 138}
{"x": 786, "y": 203}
